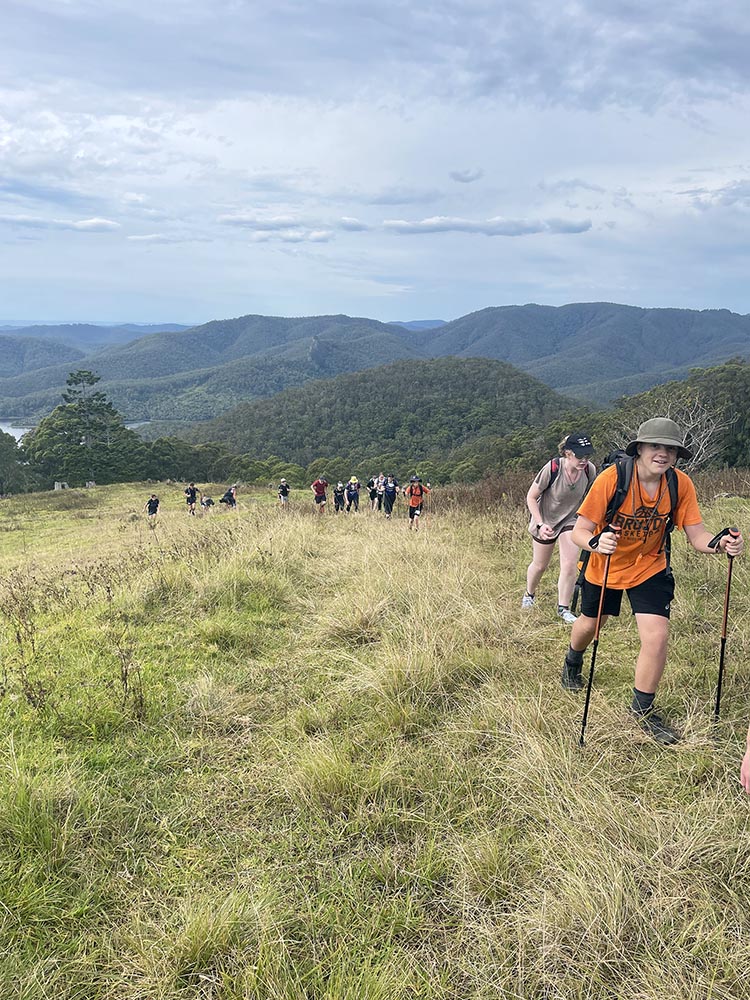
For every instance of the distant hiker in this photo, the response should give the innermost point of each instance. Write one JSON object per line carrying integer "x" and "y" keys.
{"x": 152, "y": 506}
{"x": 284, "y": 489}
{"x": 379, "y": 492}
{"x": 206, "y": 504}
{"x": 352, "y": 494}
{"x": 230, "y": 497}
{"x": 553, "y": 500}
{"x": 338, "y": 497}
{"x": 415, "y": 493}
{"x": 191, "y": 496}
{"x": 319, "y": 492}
{"x": 658, "y": 498}
{"x": 372, "y": 489}
{"x": 390, "y": 492}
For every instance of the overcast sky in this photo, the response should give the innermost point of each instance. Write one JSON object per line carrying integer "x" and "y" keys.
{"x": 187, "y": 160}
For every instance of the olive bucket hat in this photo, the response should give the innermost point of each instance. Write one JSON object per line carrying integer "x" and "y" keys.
{"x": 660, "y": 430}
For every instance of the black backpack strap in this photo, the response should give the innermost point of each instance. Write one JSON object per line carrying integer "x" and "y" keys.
{"x": 624, "y": 479}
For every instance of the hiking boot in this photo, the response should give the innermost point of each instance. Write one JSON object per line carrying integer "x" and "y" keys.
{"x": 527, "y": 601}
{"x": 566, "y": 614}
{"x": 656, "y": 727}
{"x": 571, "y": 676}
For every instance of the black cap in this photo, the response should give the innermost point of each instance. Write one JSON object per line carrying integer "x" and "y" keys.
{"x": 579, "y": 444}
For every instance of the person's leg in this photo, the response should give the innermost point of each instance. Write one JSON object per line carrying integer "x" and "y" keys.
{"x": 568, "y": 568}
{"x": 653, "y": 631}
{"x": 540, "y": 559}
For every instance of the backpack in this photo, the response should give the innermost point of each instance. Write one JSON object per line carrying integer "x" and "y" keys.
{"x": 624, "y": 464}
{"x": 413, "y": 490}
{"x": 554, "y": 464}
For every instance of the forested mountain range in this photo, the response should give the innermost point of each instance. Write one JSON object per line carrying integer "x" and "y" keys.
{"x": 592, "y": 351}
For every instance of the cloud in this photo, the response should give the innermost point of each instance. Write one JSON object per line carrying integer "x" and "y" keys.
{"x": 466, "y": 176}
{"x": 159, "y": 238}
{"x": 566, "y": 186}
{"x": 404, "y": 195}
{"x": 736, "y": 194}
{"x": 490, "y": 227}
{"x": 262, "y": 223}
{"x": 79, "y": 225}
{"x": 352, "y": 225}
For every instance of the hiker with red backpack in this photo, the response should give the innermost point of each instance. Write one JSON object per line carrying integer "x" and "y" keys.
{"x": 553, "y": 499}
{"x": 623, "y": 527}
{"x": 415, "y": 493}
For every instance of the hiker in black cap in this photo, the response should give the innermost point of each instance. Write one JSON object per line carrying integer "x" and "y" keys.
{"x": 635, "y": 555}
{"x": 553, "y": 499}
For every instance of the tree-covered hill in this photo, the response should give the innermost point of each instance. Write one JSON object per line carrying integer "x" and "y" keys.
{"x": 411, "y": 408}
{"x": 28, "y": 354}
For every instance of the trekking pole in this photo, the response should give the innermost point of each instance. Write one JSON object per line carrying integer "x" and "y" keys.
{"x": 712, "y": 545}
{"x": 595, "y": 541}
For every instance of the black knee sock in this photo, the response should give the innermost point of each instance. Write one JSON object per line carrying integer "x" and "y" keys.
{"x": 574, "y": 656}
{"x": 642, "y": 701}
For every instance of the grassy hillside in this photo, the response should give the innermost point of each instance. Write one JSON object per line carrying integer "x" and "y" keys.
{"x": 278, "y": 757}
{"x": 415, "y": 408}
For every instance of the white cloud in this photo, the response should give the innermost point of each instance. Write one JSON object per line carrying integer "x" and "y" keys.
{"x": 488, "y": 227}
{"x": 79, "y": 225}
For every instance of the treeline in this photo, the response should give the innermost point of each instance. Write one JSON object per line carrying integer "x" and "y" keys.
{"x": 450, "y": 420}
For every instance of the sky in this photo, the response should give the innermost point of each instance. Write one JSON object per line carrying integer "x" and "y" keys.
{"x": 180, "y": 161}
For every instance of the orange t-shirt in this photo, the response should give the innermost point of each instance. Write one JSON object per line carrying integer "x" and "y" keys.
{"x": 415, "y": 492}
{"x": 642, "y": 519}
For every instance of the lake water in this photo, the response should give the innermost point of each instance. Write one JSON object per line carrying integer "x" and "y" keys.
{"x": 12, "y": 429}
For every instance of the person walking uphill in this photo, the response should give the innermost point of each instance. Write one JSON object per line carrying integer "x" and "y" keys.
{"x": 657, "y": 497}
{"x": 319, "y": 492}
{"x": 553, "y": 499}
{"x": 415, "y": 494}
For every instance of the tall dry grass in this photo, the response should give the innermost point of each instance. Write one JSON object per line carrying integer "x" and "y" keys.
{"x": 352, "y": 771}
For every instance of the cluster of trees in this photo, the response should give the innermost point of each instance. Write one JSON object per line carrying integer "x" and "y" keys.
{"x": 445, "y": 419}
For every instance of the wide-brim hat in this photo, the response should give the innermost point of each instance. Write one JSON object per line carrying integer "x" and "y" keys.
{"x": 660, "y": 430}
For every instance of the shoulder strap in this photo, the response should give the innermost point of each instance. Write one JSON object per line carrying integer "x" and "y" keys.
{"x": 624, "y": 478}
{"x": 674, "y": 491}
{"x": 554, "y": 468}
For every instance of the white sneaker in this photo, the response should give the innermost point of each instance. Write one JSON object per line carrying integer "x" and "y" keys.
{"x": 567, "y": 615}
{"x": 527, "y": 602}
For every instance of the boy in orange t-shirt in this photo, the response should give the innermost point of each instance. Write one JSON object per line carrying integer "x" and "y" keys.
{"x": 415, "y": 493}
{"x": 638, "y": 561}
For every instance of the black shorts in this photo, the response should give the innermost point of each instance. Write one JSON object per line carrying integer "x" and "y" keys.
{"x": 321, "y": 498}
{"x": 415, "y": 512}
{"x": 652, "y": 597}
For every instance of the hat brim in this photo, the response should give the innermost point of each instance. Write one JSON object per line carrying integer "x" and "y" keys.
{"x": 682, "y": 451}
{"x": 581, "y": 452}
